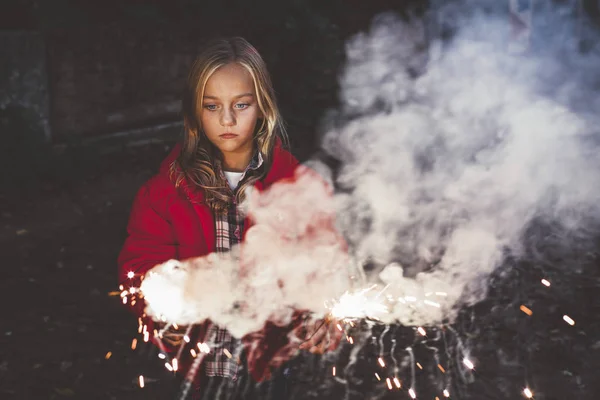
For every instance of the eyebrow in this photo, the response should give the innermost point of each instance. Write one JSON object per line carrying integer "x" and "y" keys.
{"x": 236, "y": 97}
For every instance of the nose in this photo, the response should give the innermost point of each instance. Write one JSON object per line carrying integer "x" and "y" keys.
{"x": 227, "y": 117}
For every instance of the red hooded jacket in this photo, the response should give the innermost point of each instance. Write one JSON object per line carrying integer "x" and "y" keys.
{"x": 170, "y": 223}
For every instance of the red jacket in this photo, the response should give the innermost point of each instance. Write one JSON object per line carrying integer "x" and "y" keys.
{"x": 170, "y": 223}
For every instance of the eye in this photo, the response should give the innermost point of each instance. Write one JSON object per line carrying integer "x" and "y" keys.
{"x": 210, "y": 107}
{"x": 241, "y": 106}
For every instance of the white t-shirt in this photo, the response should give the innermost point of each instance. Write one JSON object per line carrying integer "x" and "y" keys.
{"x": 233, "y": 178}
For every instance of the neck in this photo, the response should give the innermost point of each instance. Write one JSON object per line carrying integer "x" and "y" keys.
{"x": 236, "y": 162}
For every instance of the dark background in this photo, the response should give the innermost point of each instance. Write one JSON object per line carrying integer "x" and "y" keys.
{"x": 89, "y": 105}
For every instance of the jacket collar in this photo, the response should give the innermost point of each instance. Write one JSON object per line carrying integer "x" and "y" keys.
{"x": 282, "y": 166}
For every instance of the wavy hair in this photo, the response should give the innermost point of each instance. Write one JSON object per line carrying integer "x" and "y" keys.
{"x": 198, "y": 162}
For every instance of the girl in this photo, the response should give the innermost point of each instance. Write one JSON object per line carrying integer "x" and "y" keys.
{"x": 233, "y": 140}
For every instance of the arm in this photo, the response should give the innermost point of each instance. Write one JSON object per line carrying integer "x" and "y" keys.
{"x": 149, "y": 242}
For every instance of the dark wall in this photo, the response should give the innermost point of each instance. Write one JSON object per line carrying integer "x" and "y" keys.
{"x": 114, "y": 66}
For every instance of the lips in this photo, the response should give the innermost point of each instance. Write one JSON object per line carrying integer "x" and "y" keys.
{"x": 228, "y": 136}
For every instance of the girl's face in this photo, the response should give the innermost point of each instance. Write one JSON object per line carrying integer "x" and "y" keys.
{"x": 229, "y": 112}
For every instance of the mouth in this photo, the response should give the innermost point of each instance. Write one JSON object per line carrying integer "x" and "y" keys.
{"x": 228, "y": 135}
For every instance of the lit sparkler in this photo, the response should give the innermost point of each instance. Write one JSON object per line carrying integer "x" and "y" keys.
{"x": 358, "y": 305}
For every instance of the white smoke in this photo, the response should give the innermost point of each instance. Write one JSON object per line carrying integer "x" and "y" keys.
{"x": 292, "y": 259}
{"x": 447, "y": 151}
{"x": 442, "y": 172}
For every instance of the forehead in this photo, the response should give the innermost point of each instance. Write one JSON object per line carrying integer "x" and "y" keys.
{"x": 229, "y": 80}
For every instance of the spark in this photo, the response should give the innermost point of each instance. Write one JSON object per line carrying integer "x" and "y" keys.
{"x": 124, "y": 300}
{"x": 528, "y": 393}
{"x": 132, "y": 290}
{"x": 168, "y": 366}
{"x": 107, "y": 356}
{"x": 358, "y": 305}
{"x": 146, "y": 336}
{"x": 193, "y": 353}
{"x": 227, "y": 353}
{"x": 133, "y": 343}
{"x": 141, "y": 379}
{"x": 412, "y": 393}
{"x": 545, "y": 282}
{"x": 381, "y": 362}
{"x": 203, "y": 347}
{"x": 161, "y": 356}
{"x": 130, "y": 274}
{"x": 351, "y": 340}
{"x": 441, "y": 368}
{"x": 397, "y": 382}
{"x": 431, "y": 303}
{"x": 175, "y": 326}
{"x": 186, "y": 338}
{"x": 420, "y": 366}
{"x": 568, "y": 320}
{"x": 526, "y": 310}
{"x": 175, "y": 365}
{"x": 468, "y": 363}
{"x": 121, "y": 287}
{"x": 339, "y": 327}
{"x": 389, "y": 383}
{"x": 377, "y": 376}
{"x": 446, "y": 393}
{"x": 334, "y": 370}
{"x": 422, "y": 331}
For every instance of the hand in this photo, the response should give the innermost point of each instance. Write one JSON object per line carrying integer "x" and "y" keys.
{"x": 319, "y": 336}
{"x": 171, "y": 337}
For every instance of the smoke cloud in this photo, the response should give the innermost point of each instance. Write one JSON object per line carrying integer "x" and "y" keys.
{"x": 445, "y": 152}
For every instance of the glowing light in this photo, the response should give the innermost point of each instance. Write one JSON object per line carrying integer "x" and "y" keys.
{"x": 468, "y": 363}
{"x": 412, "y": 393}
{"x": 146, "y": 336}
{"x": 130, "y": 274}
{"x": 107, "y": 356}
{"x": 120, "y": 287}
{"x": 124, "y": 300}
{"x": 175, "y": 326}
{"x": 441, "y": 368}
{"x": 528, "y": 393}
{"x": 132, "y": 290}
{"x": 431, "y": 303}
{"x": 141, "y": 379}
{"x": 526, "y": 310}
{"x": 133, "y": 344}
{"x": 186, "y": 338}
{"x": 545, "y": 283}
{"x": 422, "y": 331}
{"x": 569, "y": 320}
{"x": 193, "y": 353}
{"x": 203, "y": 347}
{"x": 168, "y": 366}
{"x": 339, "y": 327}
{"x": 377, "y": 376}
{"x": 358, "y": 305}
{"x": 381, "y": 362}
{"x": 333, "y": 370}
{"x": 351, "y": 340}
{"x": 420, "y": 366}
{"x": 161, "y": 356}
{"x": 175, "y": 365}
{"x": 446, "y": 393}
{"x": 397, "y": 383}
{"x": 389, "y": 383}
{"x": 227, "y": 353}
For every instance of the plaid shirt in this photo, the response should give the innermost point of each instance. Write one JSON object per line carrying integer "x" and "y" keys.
{"x": 229, "y": 230}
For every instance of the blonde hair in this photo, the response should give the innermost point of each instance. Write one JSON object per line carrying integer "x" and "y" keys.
{"x": 197, "y": 160}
